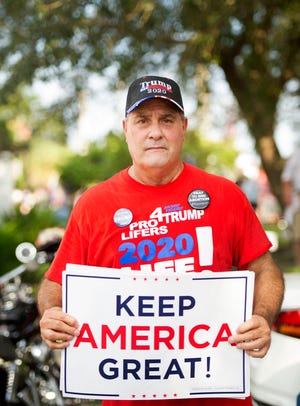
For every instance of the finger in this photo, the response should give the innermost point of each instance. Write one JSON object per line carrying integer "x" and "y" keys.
{"x": 250, "y": 337}
{"x": 59, "y": 327}
{"x": 53, "y": 335}
{"x": 56, "y": 313}
{"x": 258, "y": 353}
{"x": 54, "y": 339}
{"x": 255, "y": 348}
{"x": 252, "y": 345}
{"x": 251, "y": 330}
{"x": 251, "y": 340}
{"x": 251, "y": 324}
{"x": 57, "y": 344}
{"x": 60, "y": 344}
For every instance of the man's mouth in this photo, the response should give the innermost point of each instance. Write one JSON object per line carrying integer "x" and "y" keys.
{"x": 155, "y": 148}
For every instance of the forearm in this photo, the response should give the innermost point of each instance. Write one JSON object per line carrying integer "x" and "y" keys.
{"x": 269, "y": 287}
{"x": 49, "y": 295}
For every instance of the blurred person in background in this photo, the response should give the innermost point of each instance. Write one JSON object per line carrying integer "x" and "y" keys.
{"x": 291, "y": 196}
{"x": 250, "y": 188}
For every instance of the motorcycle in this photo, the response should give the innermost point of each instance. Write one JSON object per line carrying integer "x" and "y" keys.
{"x": 29, "y": 369}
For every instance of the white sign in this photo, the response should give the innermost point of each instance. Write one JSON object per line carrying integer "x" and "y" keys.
{"x": 155, "y": 336}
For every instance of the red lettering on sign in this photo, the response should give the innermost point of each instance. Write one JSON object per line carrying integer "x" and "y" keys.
{"x": 106, "y": 332}
{"x": 220, "y": 338}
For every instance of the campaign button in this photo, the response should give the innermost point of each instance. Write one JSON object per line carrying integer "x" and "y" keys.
{"x": 199, "y": 199}
{"x": 123, "y": 217}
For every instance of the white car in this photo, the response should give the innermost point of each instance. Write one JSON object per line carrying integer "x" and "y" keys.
{"x": 275, "y": 379}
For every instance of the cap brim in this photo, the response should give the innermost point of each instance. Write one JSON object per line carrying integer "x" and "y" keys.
{"x": 135, "y": 105}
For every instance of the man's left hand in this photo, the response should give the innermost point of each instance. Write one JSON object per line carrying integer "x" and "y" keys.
{"x": 253, "y": 336}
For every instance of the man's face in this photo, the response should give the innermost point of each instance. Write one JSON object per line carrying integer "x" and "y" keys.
{"x": 155, "y": 132}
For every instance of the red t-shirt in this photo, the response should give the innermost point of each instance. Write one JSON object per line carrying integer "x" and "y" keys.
{"x": 198, "y": 222}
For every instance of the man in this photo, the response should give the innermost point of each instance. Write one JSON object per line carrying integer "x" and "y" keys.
{"x": 291, "y": 197}
{"x": 158, "y": 202}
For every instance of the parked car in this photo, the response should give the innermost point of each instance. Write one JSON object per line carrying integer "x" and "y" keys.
{"x": 275, "y": 379}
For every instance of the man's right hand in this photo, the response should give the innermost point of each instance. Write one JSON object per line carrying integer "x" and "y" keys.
{"x": 58, "y": 328}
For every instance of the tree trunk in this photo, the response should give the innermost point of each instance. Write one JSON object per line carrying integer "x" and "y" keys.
{"x": 260, "y": 115}
{"x": 272, "y": 163}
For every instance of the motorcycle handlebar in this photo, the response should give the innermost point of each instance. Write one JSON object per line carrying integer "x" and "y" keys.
{"x": 12, "y": 274}
{"x": 31, "y": 259}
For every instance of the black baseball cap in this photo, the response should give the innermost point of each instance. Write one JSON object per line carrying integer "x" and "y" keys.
{"x": 149, "y": 87}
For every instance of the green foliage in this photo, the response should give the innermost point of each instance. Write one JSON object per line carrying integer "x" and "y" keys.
{"x": 23, "y": 119}
{"x": 215, "y": 157}
{"x": 19, "y": 228}
{"x": 6, "y": 139}
{"x": 100, "y": 163}
{"x": 41, "y": 160}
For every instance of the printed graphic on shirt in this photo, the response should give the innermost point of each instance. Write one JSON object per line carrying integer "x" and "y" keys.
{"x": 167, "y": 252}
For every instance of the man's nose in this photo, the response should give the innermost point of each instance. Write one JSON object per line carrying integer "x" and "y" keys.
{"x": 155, "y": 130}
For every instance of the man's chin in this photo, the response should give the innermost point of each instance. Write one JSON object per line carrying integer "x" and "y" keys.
{"x": 153, "y": 164}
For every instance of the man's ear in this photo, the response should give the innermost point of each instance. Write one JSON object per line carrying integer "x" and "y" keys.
{"x": 124, "y": 125}
{"x": 185, "y": 123}
{"x": 185, "y": 126}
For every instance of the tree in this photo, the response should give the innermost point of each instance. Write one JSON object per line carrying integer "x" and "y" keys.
{"x": 23, "y": 118}
{"x": 100, "y": 162}
{"x": 255, "y": 43}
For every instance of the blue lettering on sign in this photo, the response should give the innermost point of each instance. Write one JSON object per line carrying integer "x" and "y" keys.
{"x": 147, "y": 250}
{"x": 110, "y": 368}
{"x": 142, "y": 306}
